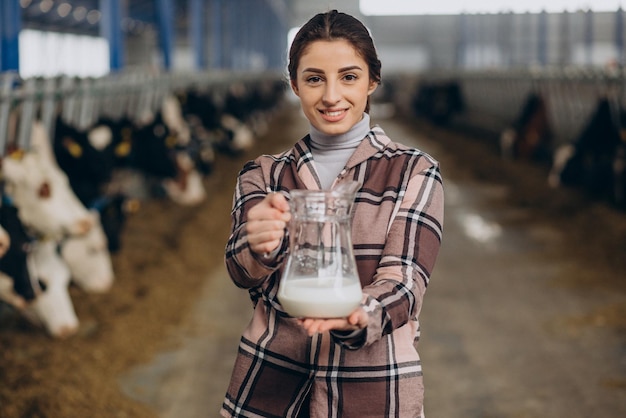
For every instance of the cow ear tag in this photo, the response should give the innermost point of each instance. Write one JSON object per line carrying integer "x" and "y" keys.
{"x": 123, "y": 149}
{"x": 171, "y": 141}
{"x": 72, "y": 147}
{"x": 17, "y": 154}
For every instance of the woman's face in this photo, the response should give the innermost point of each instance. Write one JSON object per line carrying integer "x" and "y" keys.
{"x": 333, "y": 85}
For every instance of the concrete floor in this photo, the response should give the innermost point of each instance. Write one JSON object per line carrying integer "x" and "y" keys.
{"x": 497, "y": 339}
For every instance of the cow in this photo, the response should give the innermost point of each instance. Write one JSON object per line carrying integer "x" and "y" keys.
{"x": 52, "y": 212}
{"x": 88, "y": 258}
{"x": 52, "y": 306}
{"x": 439, "y": 101}
{"x": 43, "y": 196}
{"x": 619, "y": 170}
{"x": 15, "y": 282}
{"x": 89, "y": 159}
{"x": 529, "y": 137}
{"x": 590, "y": 161}
{"x": 160, "y": 154}
{"x": 215, "y": 123}
{"x": 7, "y": 292}
{"x": 34, "y": 279}
{"x": 86, "y": 157}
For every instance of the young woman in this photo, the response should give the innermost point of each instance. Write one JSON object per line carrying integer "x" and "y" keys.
{"x": 364, "y": 365}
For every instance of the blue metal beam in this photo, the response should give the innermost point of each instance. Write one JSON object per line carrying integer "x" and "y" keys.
{"x": 216, "y": 34}
{"x": 236, "y": 31}
{"x": 196, "y": 32}
{"x": 461, "y": 47}
{"x": 542, "y": 39}
{"x": 10, "y": 25}
{"x": 111, "y": 30}
{"x": 165, "y": 20}
{"x": 589, "y": 36}
{"x": 619, "y": 36}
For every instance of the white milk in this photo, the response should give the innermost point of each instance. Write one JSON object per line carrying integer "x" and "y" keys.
{"x": 320, "y": 297}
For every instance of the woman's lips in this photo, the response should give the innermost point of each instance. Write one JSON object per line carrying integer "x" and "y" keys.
{"x": 333, "y": 115}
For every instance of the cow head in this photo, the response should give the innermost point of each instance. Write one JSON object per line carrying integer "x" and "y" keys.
{"x": 34, "y": 279}
{"x": 46, "y": 203}
{"x": 52, "y": 307}
{"x": 89, "y": 259}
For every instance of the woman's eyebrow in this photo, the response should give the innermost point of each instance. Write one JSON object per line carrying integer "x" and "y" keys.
{"x": 341, "y": 70}
{"x": 350, "y": 68}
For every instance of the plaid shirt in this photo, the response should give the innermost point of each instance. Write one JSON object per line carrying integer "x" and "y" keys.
{"x": 396, "y": 233}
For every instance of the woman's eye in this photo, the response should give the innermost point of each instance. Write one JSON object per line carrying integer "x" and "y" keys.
{"x": 350, "y": 77}
{"x": 314, "y": 79}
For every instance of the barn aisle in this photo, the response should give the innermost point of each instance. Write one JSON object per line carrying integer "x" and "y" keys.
{"x": 525, "y": 313}
{"x": 190, "y": 379}
{"x": 517, "y": 322}
{"x": 524, "y": 316}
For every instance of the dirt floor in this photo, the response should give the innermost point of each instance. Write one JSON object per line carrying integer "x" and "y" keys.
{"x": 168, "y": 250}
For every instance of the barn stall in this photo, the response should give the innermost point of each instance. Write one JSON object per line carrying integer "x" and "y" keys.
{"x": 569, "y": 121}
{"x": 166, "y": 247}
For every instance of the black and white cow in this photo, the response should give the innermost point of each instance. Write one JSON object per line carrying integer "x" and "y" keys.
{"x": 34, "y": 279}
{"x": 16, "y": 245}
{"x": 160, "y": 153}
{"x": 89, "y": 159}
{"x": 214, "y": 122}
{"x": 51, "y": 212}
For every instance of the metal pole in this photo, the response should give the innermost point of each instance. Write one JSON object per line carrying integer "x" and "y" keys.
{"x": 589, "y": 36}
{"x": 619, "y": 36}
{"x": 217, "y": 60}
{"x": 111, "y": 30}
{"x": 10, "y": 25}
{"x": 235, "y": 32}
{"x": 564, "y": 40}
{"x": 165, "y": 19}
{"x": 196, "y": 31}
{"x": 542, "y": 39}
{"x": 461, "y": 41}
{"x": 6, "y": 87}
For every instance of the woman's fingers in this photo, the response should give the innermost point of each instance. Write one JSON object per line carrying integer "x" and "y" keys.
{"x": 356, "y": 320}
{"x": 278, "y": 201}
{"x": 313, "y": 326}
{"x": 266, "y": 226}
{"x": 267, "y": 222}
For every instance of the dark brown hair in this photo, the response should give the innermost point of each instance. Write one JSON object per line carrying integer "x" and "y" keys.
{"x": 331, "y": 26}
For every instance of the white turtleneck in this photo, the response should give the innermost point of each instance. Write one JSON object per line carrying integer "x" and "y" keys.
{"x": 331, "y": 152}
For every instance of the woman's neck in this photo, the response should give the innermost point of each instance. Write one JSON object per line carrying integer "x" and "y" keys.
{"x": 350, "y": 139}
{"x": 331, "y": 152}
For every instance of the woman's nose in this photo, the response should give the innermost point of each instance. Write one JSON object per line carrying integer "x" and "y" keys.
{"x": 332, "y": 93}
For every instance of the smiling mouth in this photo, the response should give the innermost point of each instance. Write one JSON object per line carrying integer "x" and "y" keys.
{"x": 332, "y": 113}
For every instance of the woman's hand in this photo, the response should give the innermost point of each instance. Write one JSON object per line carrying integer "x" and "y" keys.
{"x": 266, "y": 223}
{"x": 356, "y": 320}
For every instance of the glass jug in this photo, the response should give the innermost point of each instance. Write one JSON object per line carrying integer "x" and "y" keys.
{"x": 320, "y": 279}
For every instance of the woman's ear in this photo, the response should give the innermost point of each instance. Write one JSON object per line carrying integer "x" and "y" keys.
{"x": 294, "y": 87}
{"x": 372, "y": 88}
